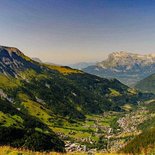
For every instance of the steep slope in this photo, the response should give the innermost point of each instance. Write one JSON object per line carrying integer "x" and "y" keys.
{"x": 147, "y": 84}
{"x": 127, "y": 67}
{"x": 18, "y": 129}
{"x": 13, "y": 61}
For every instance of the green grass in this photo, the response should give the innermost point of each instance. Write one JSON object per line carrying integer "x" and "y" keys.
{"x": 127, "y": 107}
{"x": 8, "y": 82}
{"x": 29, "y": 74}
{"x": 37, "y": 110}
{"x": 8, "y": 120}
{"x": 114, "y": 92}
{"x": 108, "y": 120}
{"x": 63, "y": 70}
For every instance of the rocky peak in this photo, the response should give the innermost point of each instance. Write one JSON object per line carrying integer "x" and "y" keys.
{"x": 12, "y": 61}
{"x": 127, "y": 59}
{"x": 10, "y": 50}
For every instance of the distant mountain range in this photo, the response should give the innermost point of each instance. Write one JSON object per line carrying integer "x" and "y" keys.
{"x": 81, "y": 65}
{"x": 129, "y": 68}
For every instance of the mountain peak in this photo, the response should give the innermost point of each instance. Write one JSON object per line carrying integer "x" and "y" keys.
{"x": 127, "y": 59}
{"x": 119, "y": 53}
{"x": 125, "y": 66}
{"x": 11, "y": 50}
{"x": 12, "y": 60}
{"x": 129, "y": 54}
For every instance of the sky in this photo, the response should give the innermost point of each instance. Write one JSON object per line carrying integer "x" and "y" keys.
{"x": 71, "y": 31}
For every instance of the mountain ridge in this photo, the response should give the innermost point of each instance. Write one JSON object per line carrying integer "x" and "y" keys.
{"x": 12, "y": 61}
{"x": 126, "y": 58}
{"x": 126, "y": 67}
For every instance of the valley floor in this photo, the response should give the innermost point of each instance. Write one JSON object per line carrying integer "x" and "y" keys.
{"x": 108, "y": 132}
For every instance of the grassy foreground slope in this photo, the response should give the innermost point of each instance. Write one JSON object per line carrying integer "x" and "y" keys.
{"x": 5, "y": 150}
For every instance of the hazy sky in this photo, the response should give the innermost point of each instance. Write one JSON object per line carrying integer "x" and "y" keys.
{"x": 68, "y": 31}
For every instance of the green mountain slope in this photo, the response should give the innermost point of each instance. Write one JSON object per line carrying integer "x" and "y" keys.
{"x": 147, "y": 84}
{"x": 22, "y": 130}
{"x": 39, "y": 98}
{"x": 60, "y": 88}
